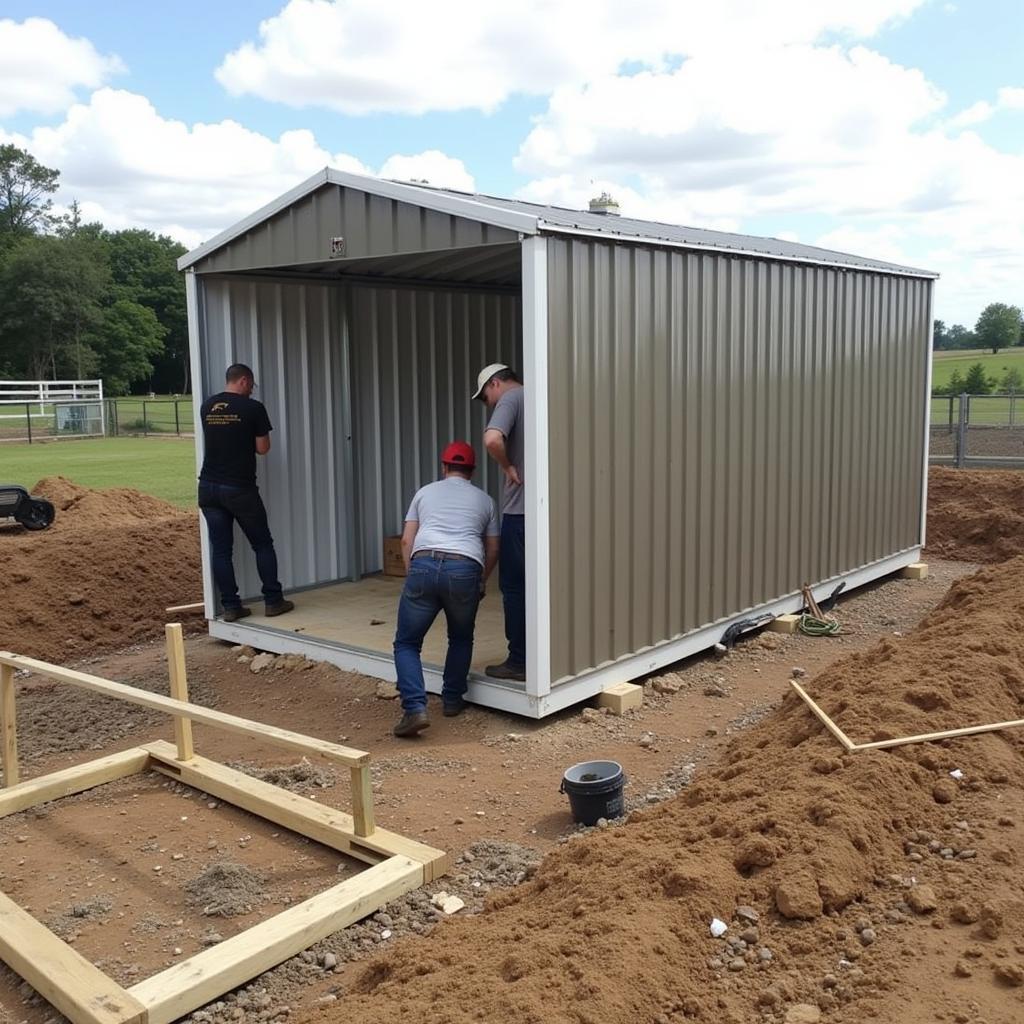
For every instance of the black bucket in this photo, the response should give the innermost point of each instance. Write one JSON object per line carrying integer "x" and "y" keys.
{"x": 594, "y": 789}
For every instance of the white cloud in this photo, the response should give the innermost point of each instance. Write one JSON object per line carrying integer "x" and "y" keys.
{"x": 431, "y": 166}
{"x": 360, "y": 57}
{"x": 976, "y": 113}
{"x": 130, "y": 167}
{"x": 839, "y": 134}
{"x": 41, "y": 67}
{"x": 1007, "y": 98}
{"x": 1011, "y": 98}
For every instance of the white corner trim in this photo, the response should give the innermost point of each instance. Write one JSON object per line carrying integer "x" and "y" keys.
{"x": 195, "y": 355}
{"x": 929, "y": 359}
{"x": 538, "y": 541}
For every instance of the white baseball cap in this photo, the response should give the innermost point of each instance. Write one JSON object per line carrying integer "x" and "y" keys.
{"x": 485, "y": 375}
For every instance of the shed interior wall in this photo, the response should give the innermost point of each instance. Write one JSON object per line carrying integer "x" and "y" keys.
{"x": 364, "y": 385}
{"x": 722, "y": 430}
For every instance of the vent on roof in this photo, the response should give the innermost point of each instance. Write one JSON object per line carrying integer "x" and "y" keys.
{"x": 604, "y": 204}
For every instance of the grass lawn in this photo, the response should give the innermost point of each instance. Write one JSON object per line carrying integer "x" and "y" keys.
{"x": 163, "y": 468}
{"x": 995, "y": 365}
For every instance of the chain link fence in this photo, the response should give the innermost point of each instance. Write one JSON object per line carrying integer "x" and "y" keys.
{"x": 978, "y": 431}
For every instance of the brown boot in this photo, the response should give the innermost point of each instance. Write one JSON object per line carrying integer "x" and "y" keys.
{"x": 234, "y": 614}
{"x": 280, "y": 608}
{"x": 506, "y": 671}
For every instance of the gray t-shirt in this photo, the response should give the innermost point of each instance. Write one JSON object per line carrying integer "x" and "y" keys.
{"x": 454, "y": 516}
{"x": 508, "y": 418}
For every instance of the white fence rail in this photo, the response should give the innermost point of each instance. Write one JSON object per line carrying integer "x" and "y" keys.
{"x": 32, "y": 409}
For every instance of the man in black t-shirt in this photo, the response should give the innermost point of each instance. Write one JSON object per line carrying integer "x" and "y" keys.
{"x": 236, "y": 429}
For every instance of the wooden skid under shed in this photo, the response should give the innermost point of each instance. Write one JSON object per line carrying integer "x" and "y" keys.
{"x": 86, "y": 995}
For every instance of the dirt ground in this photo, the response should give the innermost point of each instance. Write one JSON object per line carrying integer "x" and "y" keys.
{"x": 100, "y": 577}
{"x": 170, "y": 870}
{"x": 975, "y": 514}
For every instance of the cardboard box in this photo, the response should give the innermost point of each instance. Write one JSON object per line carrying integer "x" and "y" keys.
{"x": 394, "y": 565}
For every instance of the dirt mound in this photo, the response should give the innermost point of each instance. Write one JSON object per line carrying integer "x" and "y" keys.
{"x": 100, "y": 577}
{"x": 226, "y": 889}
{"x": 975, "y": 515}
{"x": 827, "y": 866}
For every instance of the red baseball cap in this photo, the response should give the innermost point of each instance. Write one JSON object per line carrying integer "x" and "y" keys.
{"x": 459, "y": 453}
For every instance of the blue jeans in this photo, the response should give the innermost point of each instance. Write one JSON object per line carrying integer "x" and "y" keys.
{"x": 222, "y": 506}
{"x": 512, "y": 581}
{"x": 435, "y": 585}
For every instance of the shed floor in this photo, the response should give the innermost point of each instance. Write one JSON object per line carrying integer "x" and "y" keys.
{"x": 364, "y": 613}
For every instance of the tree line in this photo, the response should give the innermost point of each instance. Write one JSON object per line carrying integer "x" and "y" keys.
{"x": 999, "y": 326}
{"x": 79, "y": 301}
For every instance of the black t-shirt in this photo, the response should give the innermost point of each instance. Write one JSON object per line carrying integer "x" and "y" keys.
{"x": 231, "y": 423}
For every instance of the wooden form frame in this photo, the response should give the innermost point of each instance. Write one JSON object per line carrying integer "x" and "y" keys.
{"x": 86, "y": 995}
{"x": 927, "y": 737}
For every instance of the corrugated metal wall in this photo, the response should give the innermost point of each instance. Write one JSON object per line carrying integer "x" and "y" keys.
{"x": 363, "y": 386}
{"x": 415, "y": 358}
{"x": 292, "y": 337}
{"x": 721, "y": 430}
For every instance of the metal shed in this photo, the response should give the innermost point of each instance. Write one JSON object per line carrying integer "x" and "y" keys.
{"x": 712, "y": 419}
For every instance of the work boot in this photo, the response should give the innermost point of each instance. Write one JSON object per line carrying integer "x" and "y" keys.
{"x": 234, "y": 614}
{"x": 279, "y": 608}
{"x": 452, "y": 709}
{"x": 411, "y": 723}
{"x": 506, "y": 671}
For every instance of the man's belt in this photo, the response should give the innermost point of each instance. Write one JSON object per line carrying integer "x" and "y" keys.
{"x": 443, "y": 554}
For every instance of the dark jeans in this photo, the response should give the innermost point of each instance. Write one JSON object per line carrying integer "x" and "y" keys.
{"x": 435, "y": 585}
{"x": 222, "y": 507}
{"x": 512, "y": 580}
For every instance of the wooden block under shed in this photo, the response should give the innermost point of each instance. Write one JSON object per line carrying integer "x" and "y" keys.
{"x": 917, "y": 571}
{"x": 621, "y": 697}
{"x": 784, "y": 624}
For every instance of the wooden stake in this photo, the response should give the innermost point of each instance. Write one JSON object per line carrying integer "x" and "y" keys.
{"x": 948, "y": 734}
{"x": 184, "y": 609}
{"x": 823, "y": 718}
{"x": 179, "y": 688}
{"x": 8, "y": 725}
{"x": 362, "y": 800}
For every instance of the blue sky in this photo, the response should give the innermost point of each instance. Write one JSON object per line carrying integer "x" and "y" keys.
{"x": 891, "y": 128}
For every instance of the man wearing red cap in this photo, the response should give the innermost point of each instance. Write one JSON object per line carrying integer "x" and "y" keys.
{"x": 450, "y": 545}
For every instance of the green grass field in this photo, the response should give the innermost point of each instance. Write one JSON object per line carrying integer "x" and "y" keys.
{"x": 945, "y": 363}
{"x": 163, "y": 468}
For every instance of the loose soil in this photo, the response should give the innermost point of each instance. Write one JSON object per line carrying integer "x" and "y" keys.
{"x": 736, "y": 792}
{"x": 100, "y": 577}
{"x": 975, "y": 514}
{"x": 839, "y": 861}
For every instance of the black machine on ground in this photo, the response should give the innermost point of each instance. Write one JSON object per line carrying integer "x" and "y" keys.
{"x": 17, "y": 504}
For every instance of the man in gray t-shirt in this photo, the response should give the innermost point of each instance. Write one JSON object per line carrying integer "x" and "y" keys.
{"x": 502, "y": 391}
{"x": 450, "y": 546}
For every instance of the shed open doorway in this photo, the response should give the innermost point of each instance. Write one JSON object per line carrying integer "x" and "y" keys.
{"x": 368, "y": 367}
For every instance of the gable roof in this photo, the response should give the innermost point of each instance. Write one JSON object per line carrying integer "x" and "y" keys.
{"x": 535, "y": 218}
